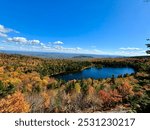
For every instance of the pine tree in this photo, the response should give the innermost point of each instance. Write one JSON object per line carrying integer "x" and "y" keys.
{"x": 148, "y": 46}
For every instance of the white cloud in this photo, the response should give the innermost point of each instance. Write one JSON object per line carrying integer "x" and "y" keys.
{"x": 45, "y": 46}
{"x": 130, "y": 48}
{"x": 97, "y": 51}
{"x": 34, "y": 41}
{"x": 131, "y": 51}
{"x": 22, "y": 40}
{"x": 18, "y": 39}
{"x": 3, "y": 35}
{"x": 4, "y": 31}
{"x": 1, "y": 47}
{"x": 42, "y": 44}
{"x": 59, "y": 48}
{"x": 58, "y": 42}
{"x": 78, "y": 48}
{"x": 64, "y": 49}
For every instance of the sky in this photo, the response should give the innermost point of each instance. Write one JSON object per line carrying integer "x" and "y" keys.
{"x": 112, "y": 27}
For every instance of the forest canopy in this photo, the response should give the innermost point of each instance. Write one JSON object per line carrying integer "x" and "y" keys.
{"x": 27, "y": 85}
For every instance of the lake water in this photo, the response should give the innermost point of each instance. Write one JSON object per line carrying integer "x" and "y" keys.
{"x": 96, "y": 73}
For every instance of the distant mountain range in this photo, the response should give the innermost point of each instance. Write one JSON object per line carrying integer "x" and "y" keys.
{"x": 56, "y": 55}
{"x": 83, "y": 56}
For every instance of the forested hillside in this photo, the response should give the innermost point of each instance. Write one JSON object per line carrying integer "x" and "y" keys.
{"x": 27, "y": 85}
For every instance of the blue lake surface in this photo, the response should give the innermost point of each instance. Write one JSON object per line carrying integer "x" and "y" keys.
{"x": 96, "y": 73}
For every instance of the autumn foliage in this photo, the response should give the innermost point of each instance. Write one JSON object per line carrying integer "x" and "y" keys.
{"x": 110, "y": 98}
{"x": 14, "y": 104}
{"x": 28, "y": 84}
{"x": 125, "y": 89}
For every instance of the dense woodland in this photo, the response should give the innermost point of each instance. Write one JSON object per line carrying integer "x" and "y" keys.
{"x": 27, "y": 84}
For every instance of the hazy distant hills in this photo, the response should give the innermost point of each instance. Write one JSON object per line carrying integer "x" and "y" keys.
{"x": 56, "y": 55}
{"x": 83, "y": 56}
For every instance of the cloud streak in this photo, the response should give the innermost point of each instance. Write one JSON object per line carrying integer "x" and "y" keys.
{"x": 130, "y": 49}
{"x": 3, "y": 35}
{"x": 4, "y": 31}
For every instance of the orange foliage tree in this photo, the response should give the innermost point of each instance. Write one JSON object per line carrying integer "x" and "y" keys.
{"x": 125, "y": 90}
{"x": 110, "y": 98}
{"x": 91, "y": 90}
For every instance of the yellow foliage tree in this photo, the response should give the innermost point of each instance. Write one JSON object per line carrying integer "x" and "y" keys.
{"x": 77, "y": 88}
{"x": 1, "y": 70}
{"x": 14, "y": 104}
{"x": 46, "y": 100}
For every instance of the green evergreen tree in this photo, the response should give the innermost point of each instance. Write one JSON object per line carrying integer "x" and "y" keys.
{"x": 148, "y": 46}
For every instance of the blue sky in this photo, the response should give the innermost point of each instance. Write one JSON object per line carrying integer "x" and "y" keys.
{"x": 115, "y": 27}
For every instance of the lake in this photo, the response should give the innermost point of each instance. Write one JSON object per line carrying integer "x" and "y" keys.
{"x": 96, "y": 73}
